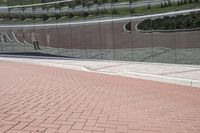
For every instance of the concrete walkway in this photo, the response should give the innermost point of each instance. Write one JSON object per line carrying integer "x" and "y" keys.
{"x": 188, "y": 75}
{"x": 42, "y": 99}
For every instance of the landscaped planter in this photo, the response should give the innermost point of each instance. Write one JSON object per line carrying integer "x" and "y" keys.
{"x": 180, "y": 23}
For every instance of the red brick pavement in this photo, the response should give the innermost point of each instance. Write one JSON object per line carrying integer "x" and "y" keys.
{"x": 53, "y": 100}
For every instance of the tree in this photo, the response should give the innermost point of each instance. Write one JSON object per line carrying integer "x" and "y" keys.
{"x": 188, "y": 24}
{"x": 128, "y": 26}
{"x": 114, "y": 11}
{"x": 104, "y": 1}
{"x": 99, "y": 2}
{"x": 149, "y": 6}
{"x": 179, "y": 3}
{"x": 161, "y": 5}
{"x": 197, "y": 22}
{"x": 22, "y": 17}
{"x": 132, "y": 10}
{"x": 169, "y": 3}
{"x": 85, "y": 14}
{"x": 95, "y": 1}
{"x": 71, "y": 5}
{"x": 57, "y": 16}
{"x": 77, "y": 2}
{"x": 45, "y": 17}
{"x": 182, "y": 2}
{"x": 71, "y": 15}
{"x": 97, "y": 12}
{"x": 165, "y": 4}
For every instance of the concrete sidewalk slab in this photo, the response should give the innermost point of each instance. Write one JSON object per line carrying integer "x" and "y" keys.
{"x": 188, "y": 75}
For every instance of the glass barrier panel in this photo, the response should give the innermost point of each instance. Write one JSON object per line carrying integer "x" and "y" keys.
{"x": 122, "y": 40}
{"x": 188, "y": 38}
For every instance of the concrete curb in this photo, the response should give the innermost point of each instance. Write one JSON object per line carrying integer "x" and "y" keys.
{"x": 124, "y": 28}
{"x": 158, "y": 78}
{"x": 152, "y": 77}
{"x": 167, "y": 79}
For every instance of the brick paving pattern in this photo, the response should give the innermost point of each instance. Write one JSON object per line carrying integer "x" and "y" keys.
{"x": 40, "y": 99}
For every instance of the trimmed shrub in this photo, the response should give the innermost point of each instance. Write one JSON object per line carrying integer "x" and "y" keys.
{"x": 128, "y": 26}
{"x": 169, "y": 23}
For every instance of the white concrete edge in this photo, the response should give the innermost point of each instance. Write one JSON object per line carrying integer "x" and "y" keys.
{"x": 50, "y": 64}
{"x": 124, "y": 28}
{"x": 135, "y": 28}
{"x": 157, "y": 78}
{"x": 101, "y": 21}
{"x": 165, "y": 79}
{"x": 104, "y": 60}
{"x": 28, "y": 44}
{"x": 15, "y": 38}
{"x": 145, "y": 76}
{"x": 6, "y": 36}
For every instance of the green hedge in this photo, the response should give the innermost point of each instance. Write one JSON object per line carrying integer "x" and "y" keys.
{"x": 189, "y": 21}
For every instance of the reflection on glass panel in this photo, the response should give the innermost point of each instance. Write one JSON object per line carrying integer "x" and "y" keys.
{"x": 93, "y": 35}
{"x": 64, "y": 33}
{"x": 6, "y": 43}
{"x": 44, "y": 18}
{"x": 85, "y": 13}
{"x": 65, "y": 41}
{"x": 50, "y": 36}
{"x": 2, "y": 41}
{"x": 78, "y": 41}
{"x": 38, "y": 33}
{"x": 107, "y": 41}
{"x": 142, "y": 42}
{"x": 168, "y": 39}
{"x": 78, "y": 31}
{"x": 122, "y": 40}
{"x": 164, "y": 38}
{"x": 33, "y": 31}
{"x": 30, "y": 18}
{"x": 188, "y": 51}
{"x": 70, "y": 16}
{"x": 17, "y": 34}
{"x": 55, "y": 19}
